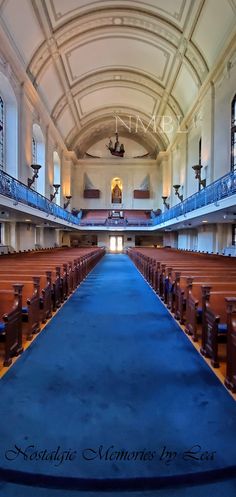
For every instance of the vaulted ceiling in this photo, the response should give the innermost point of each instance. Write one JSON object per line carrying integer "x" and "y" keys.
{"x": 91, "y": 60}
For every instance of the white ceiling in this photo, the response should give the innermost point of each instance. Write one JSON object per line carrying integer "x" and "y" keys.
{"x": 92, "y": 59}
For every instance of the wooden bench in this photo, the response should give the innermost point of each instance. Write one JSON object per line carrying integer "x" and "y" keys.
{"x": 194, "y": 306}
{"x": 180, "y": 281}
{"x": 230, "y": 380}
{"x": 11, "y": 322}
{"x": 45, "y": 288}
{"x": 30, "y": 303}
{"x": 214, "y": 321}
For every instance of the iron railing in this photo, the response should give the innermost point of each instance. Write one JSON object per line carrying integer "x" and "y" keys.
{"x": 19, "y": 192}
{"x": 219, "y": 189}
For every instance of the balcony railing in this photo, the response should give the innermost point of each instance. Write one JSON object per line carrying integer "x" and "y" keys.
{"x": 19, "y": 192}
{"x": 14, "y": 189}
{"x": 221, "y": 188}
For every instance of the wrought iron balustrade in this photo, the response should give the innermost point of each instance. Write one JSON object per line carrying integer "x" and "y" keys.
{"x": 219, "y": 189}
{"x": 19, "y": 192}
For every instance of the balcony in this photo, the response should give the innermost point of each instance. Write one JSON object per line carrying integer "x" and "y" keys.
{"x": 220, "y": 189}
{"x": 20, "y": 193}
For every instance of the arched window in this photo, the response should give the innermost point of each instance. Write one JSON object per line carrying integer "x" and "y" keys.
{"x": 2, "y": 126}
{"x": 34, "y": 151}
{"x": 233, "y": 135}
{"x": 38, "y": 157}
{"x": 8, "y": 128}
{"x": 200, "y": 152}
{"x": 57, "y": 175}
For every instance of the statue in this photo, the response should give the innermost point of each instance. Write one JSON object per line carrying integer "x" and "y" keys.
{"x": 118, "y": 150}
{"x": 116, "y": 194}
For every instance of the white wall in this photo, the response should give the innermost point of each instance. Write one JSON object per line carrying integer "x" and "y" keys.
{"x": 206, "y": 240}
{"x": 25, "y": 236}
{"x": 225, "y": 90}
{"x": 131, "y": 172}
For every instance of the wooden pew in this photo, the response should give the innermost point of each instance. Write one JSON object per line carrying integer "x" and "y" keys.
{"x": 11, "y": 322}
{"x": 230, "y": 380}
{"x": 194, "y": 311}
{"x": 214, "y": 321}
{"x": 45, "y": 288}
{"x": 182, "y": 286}
{"x": 30, "y": 303}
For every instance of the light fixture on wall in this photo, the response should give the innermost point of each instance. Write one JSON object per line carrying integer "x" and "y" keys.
{"x": 201, "y": 182}
{"x": 177, "y": 187}
{"x": 35, "y": 168}
{"x": 68, "y": 199}
{"x": 56, "y": 188}
{"x": 164, "y": 202}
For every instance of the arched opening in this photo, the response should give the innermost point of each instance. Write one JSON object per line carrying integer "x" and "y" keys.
{"x": 57, "y": 175}
{"x": 233, "y": 134}
{"x": 38, "y": 157}
{"x": 116, "y": 191}
{"x": 8, "y": 128}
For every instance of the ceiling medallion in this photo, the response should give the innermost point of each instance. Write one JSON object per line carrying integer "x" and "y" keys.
{"x": 117, "y": 21}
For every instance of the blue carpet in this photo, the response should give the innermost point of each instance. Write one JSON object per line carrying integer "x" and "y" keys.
{"x": 113, "y": 396}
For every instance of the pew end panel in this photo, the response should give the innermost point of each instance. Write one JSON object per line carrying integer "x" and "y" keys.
{"x": 11, "y": 324}
{"x": 230, "y": 380}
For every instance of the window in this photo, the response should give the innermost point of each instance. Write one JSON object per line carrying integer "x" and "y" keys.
{"x": 38, "y": 157}
{"x": 233, "y": 135}
{"x": 2, "y": 126}
{"x": 200, "y": 152}
{"x": 34, "y": 151}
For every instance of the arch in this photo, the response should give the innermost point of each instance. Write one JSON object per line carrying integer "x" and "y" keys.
{"x": 116, "y": 191}
{"x": 2, "y": 126}
{"x": 57, "y": 175}
{"x": 233, "y": 134}
{"x": 38, "y": 157}
{"x": 10, "y": 127}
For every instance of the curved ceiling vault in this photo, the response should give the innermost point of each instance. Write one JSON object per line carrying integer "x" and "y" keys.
{"x": 139, "y": 59}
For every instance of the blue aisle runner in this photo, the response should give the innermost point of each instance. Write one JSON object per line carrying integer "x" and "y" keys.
{"x": 113, "y": 390}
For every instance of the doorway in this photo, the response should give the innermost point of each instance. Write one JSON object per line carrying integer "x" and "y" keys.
{"x": 116, "y": 243}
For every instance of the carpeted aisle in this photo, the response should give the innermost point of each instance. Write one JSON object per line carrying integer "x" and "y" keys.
{"x": 113, "y": 396}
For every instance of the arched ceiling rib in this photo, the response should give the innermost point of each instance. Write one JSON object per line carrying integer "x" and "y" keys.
{"x": 89, "y": 59}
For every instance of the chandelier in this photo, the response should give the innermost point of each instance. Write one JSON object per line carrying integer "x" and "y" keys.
{"x": 117, "y": 149}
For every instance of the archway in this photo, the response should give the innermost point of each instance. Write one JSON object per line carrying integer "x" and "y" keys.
{"x": 9, "y": 128}
{"x": 57, "y": 175}
{"x": 38, "y": 157}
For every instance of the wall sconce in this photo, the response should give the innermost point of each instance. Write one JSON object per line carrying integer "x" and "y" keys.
{"x": 56, "y": 187}
{"x": 165, "y": 203}
{"x": 201, "y": 182}
{"x": 177, "y": 187}
{"x": 68, "y": 199}
{"x": 35, "y": 168}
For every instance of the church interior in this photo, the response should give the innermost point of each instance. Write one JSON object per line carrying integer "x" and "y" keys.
{"x": 117, "y": 248}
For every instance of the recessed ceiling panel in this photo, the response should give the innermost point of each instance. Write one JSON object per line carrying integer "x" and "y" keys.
{"x": 65, "y": 122}
{"x": 51, "y": 92}
{"x": 185, "y": 89}
{"x": 23, "y": 27}
{"x": 61, "y": 11}
{"x": 116, "y": 53}
{"x": 117, "y": 97}
{"x": 216, "y": 20}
